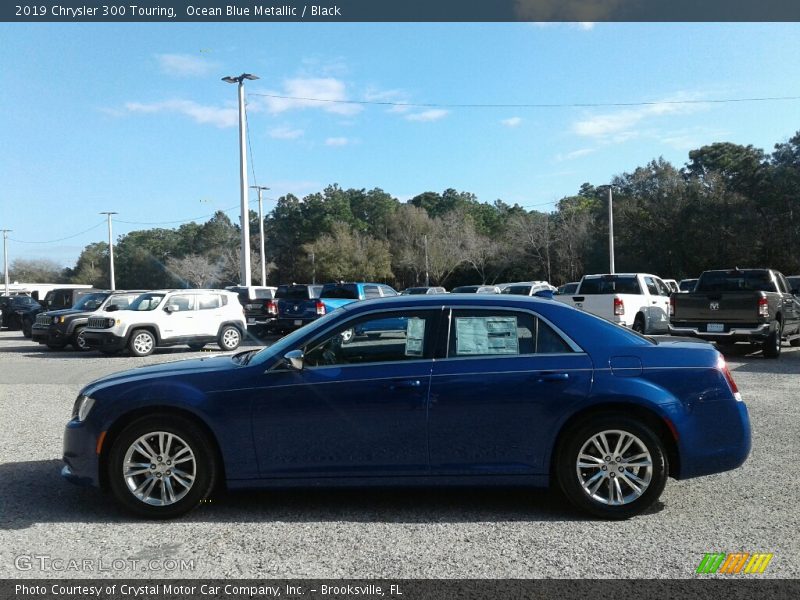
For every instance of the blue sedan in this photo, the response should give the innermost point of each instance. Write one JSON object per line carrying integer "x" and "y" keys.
{"x": 472, "y": 390}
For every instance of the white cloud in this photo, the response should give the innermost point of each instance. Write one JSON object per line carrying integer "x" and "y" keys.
{"x": 433, "y": 114}
{"x": 186, "y": 65}
{"x": 337, "y": 141}
{"x": 213, "y": 115}
{"x": 325, "y": 93}
{"x": 286, "y": 133}
{"x": 575, "y": 154}
{"x": 624, "y": 124}
{"x": 512, "y": 122}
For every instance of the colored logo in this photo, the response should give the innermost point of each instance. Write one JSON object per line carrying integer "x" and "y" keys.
{"x": 734, "y": 563}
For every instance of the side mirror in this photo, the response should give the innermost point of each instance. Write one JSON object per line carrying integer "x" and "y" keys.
{"x": 294, "y": 358}
{"x": 112, "y": 308}
{"x": 171, "y": 308}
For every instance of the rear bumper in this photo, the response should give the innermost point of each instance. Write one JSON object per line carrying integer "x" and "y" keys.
{"x": 289, "y": 323}
{"x": 101, "y": 340}
{"x": 734, "y": 333}
{"x": 713, "y": 438}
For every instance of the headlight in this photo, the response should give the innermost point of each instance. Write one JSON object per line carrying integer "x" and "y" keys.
{"x": 109, "y": 322}
{"x": 58, "y": 320}
{"x": 82, "y": 407}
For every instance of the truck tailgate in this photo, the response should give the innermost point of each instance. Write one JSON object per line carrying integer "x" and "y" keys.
{"x": 711, "y": 306}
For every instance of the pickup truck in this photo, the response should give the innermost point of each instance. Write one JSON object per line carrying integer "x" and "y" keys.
{"x": 639, "y": 301}
{"x": 758, "y": 306}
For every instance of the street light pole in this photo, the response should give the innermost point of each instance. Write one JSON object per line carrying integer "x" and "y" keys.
{"x": 610, "y": 231}
{"x": 244, "y": 254}
{"x": 110, "y": 250}
{"x": 260, "y": 188}
{"x": 5, "y": 257}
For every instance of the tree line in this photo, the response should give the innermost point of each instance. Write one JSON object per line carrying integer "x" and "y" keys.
{"x": 729, "y": 205}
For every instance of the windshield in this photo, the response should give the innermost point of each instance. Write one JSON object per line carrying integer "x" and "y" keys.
{"x": 518, "y": 290}
{"x": 290, "y": 342}
{"x": 147, "y": 302}
{"x": 90, "y": 302}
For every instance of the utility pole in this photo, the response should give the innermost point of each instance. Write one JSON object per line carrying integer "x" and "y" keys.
{"x": 5, "y": 256}
{"x": 313, "y": 270}
{"x": 610, "y": 231}
{"x": 427, "y": 279}
{"x": 260, "y": 188}
{"x": 244, "y": 253}
{"x": 110, "y": 249}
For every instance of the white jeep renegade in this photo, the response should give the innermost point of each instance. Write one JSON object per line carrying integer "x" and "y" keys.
{"x": 169, "y": 318}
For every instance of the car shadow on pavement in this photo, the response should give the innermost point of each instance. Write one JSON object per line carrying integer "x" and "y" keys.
{"x": 33, "y": 492}
{"x": 745, "y": 358}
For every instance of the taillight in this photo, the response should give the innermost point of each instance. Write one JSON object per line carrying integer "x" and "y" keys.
{"x": 763, "y": 307}
{"x": 723, "y": 366}
{"x": 271, "y": 307}
{"x": 320, "y": 307}
{"x": 619, "y": 307}
{"x": 672, "y": 306}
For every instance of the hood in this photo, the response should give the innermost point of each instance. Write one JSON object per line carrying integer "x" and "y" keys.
{"x": 163, "y": 370}
{"x": 65, "y": 312}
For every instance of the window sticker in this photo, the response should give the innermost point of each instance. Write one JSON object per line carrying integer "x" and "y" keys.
{"x": 486, "y": 335}
{"x": 415, "y": 335}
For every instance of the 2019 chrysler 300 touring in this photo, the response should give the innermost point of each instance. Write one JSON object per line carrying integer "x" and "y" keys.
{"x": 447, "y": 390}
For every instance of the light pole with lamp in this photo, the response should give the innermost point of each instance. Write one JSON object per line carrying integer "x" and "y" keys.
{"x": 244, "y": 253}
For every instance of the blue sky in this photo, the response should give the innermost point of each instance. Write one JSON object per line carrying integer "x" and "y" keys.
{"x": 134, "y": 118}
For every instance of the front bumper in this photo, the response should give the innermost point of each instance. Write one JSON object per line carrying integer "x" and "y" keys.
{"x": 104, "y": 340}
{"x": 80, "y": 455}
{"x": 49, "y": 335}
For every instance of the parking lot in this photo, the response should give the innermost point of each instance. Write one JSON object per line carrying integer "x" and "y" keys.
{"x": 425, "y": 533}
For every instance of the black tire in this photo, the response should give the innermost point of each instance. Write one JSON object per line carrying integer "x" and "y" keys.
{"x": 198, "y": 467}
{"x": 639, "y": 324}
{"x": 229, "y": 338}
{"x": 795, "y": 342}
{"x": 197, "y": 345}
{"x": 771, "y": 347}
{"x": 604, "y": 501}
{"x": 141, "y": 342}
{"x": 27, "y": 328}
{"x": 78, "y": 341}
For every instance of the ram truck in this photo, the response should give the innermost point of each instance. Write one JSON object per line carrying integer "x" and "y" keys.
{"x": 639, "y": 301}
{"x": 758, "y": 306}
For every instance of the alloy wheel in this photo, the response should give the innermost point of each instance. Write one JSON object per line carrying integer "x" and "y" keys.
{"x": 159, "y": 468}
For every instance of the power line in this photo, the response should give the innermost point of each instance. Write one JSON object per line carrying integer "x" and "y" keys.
{"x": 69, "y": 237}
{"x": 526, "y": 105}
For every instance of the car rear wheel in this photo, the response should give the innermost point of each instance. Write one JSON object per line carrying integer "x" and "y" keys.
{"x": 161, "y": 467}
{"x": 78, "y": 340}
{"x": 229, "y": 338}
{"x": 613, "y": 467}
{"x": 142, "y": 343}
{"x": 772, "y": 345}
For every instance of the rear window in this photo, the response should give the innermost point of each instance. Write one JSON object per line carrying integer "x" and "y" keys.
{"x": 295, "y": 292}
{"x": 263, "y": 294}
{"x": 735, "y": 281}
{"x": 610, "y": 284}
{"x": 518, "y": 290}
{"x": 344, "y": 292}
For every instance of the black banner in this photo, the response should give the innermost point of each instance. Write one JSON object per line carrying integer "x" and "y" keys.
{"x": 733, "y": 588}
{"x": 256, "y": 11}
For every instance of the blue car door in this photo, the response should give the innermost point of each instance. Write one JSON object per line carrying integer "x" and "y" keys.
{"x": 357, "y": 408}
{"x": 499, "y": 393}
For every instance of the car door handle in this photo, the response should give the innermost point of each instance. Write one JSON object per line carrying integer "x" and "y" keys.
{"x": 405, "y": 384}
{"x": 552, "y": 377}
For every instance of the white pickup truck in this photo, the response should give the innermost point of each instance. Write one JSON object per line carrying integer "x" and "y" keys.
{"x": 639, "y": 301}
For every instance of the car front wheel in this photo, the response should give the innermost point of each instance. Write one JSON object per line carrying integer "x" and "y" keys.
{"x": 161, "y": 467}
{"x": 613, "y": 467}
{"x": 79, "y": 341}
{"x": 142, "y": 343}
